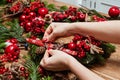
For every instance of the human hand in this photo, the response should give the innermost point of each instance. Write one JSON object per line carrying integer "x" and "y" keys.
{"x": 56, "y": 60}
{"x": 56, "y": 30}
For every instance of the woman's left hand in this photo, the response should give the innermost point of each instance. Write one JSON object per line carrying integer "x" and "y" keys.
{"x": 55, "y": 60}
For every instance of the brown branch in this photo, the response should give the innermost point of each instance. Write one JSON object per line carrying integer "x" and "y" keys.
{"x": 10, "y": 15}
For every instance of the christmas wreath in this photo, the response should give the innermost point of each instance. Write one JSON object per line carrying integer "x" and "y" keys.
{"x": 23, "y": 23}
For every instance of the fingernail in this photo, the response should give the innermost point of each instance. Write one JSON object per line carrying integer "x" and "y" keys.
{"x": 45, "y": 40}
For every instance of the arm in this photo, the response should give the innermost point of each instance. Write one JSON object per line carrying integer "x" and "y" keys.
{"x": 82, "y": 72}
{"x": 108, "y": 31}
{"x": 59, "y": 61}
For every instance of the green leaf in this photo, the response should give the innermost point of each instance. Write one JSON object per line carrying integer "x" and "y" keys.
{"x": 46, "y": 3}
{"x": 63, "y": 8}
{"x": 32, "y": 0}
{"x": 51, "y": 7}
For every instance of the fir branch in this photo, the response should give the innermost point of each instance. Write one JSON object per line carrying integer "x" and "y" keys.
{"x": 32, "y": 68}
{"x": 16, "y": 30}
{"x": 2, "y": 2}
{"x": 94, "y": 12}
{"x": 108, "y": 49}
{"x": 87, "y": 60}
{"x": 35, "y": 57}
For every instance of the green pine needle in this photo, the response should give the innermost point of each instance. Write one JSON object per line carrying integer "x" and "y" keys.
{"x": 16, "y": 30}
{"x": 47, "y": 78}
{"x": 32, "y": 68}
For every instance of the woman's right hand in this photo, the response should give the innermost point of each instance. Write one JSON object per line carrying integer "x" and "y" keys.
{"x": 56, "y": 30}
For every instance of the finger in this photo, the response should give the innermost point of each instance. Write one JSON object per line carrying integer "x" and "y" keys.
{"x": 51, "y": 52}
{"x": 46, "y": 55}
{"x": 51, "y": 37}
{"x": 48, "y": 32}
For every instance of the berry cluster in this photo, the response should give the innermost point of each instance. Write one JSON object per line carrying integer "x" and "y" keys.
{"x": 98, "y": 19}
{"x": 32, "y": 18}
{"x": 15, "y": 8}
{"x": 11, "y": 50}
{"x": 72, "y": 14}
{"x": 80, "y": 45}
{"x": 24, "y": 72}
{"x": 13, "y": 72}
{"x": 3, "y": 69}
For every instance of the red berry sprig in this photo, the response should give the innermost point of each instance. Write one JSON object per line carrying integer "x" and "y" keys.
{"x": 32, "y": 18}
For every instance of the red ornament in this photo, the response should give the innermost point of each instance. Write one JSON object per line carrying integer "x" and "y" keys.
{"x": 114, "y": 11}
{"x": 72, "y": 46}
{"x": 12, "y": 49}
{"x": 43, "y": 11}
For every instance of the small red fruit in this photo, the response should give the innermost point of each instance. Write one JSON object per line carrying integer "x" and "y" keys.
{"x": 22, "y": 69}
{"x": 81, "y": 17}
{"x": 72, "y": 45}
{"x": 32, "y": 14}
{"x": 114, "y": 11}
{"x": 23, "y": 18}
{"x": 43, "y": 11}
{"x": 9, "y": 1}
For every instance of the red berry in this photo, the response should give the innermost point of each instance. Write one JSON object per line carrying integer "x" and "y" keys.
{"x": 114, "y": 11}
{"x": 26, "y": 11}
{"x": 26, "y": 74}
{"x": 82, "y": 54}
{"x": 9, "y": 1}
{"x": 43, "y": 11}
{"x": 22, "y": 69}
{"x": 81, "y": 17}
{"x": 32, "y": 14}
{"x": 61, "y": 16}
{"x": 73, "y": 18}
{"x": 72, "y": 46}
{"x": 28, "y": 24}
{"x": 23, "y": 18}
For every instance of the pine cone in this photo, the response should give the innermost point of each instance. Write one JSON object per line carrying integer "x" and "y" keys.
{"x": 40, "y": 50}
